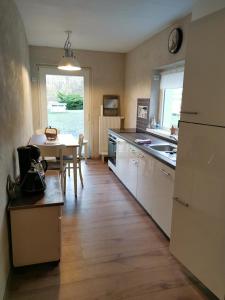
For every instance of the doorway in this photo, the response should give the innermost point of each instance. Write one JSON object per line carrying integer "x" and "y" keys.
{"x": 65, "y": 101}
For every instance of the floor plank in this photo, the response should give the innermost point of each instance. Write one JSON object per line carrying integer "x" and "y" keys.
{"x": 111, "y": 250}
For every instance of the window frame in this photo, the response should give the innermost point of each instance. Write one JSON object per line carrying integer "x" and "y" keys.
{"x": 162, "y": 92}
{"x": 162, "y": 108}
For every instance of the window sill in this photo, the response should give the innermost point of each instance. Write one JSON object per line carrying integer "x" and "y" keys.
{"x": 162, "y": 132}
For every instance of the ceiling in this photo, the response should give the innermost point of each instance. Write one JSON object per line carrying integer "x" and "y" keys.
{"x": 105, "y": 25}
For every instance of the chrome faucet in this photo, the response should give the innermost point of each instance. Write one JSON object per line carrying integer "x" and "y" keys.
{"x": 174, "y": 137}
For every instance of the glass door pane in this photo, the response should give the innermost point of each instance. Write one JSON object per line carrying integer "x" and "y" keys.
{"x": 65, "y": 103}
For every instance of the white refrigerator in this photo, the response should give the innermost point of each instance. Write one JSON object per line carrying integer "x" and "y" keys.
{"x": 198, "y": 222}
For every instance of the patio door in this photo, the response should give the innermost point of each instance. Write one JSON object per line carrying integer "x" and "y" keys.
{"x": 65, "y": 100}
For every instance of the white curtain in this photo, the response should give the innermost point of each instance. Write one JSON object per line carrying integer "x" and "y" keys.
{"x": 172, "y": 79}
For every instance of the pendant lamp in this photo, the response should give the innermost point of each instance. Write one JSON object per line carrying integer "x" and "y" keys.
{"x": 69, "y": 61}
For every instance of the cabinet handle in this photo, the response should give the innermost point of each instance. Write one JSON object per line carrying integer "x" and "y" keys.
{"x": 189, "y": 112}
{"x": 164, "y": 172}
{"x": 181, "y": 202}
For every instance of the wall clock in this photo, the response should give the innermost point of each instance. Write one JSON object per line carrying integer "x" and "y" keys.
{"x": 175, "y": 40}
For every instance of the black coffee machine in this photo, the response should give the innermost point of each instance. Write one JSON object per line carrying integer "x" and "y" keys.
{"x": 32, "y": 171}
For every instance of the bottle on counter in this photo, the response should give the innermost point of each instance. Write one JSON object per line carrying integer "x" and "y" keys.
{"x": 173, "y": 130}
{"x": 153, "y": 123}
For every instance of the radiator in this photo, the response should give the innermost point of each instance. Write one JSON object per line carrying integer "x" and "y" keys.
{"x": 104, "y": 124}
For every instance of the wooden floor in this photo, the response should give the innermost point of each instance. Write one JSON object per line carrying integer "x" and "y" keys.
{"x": 111, "y": 250}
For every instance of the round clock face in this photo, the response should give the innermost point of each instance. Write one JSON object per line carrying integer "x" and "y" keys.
{"x": 175, "y": 40}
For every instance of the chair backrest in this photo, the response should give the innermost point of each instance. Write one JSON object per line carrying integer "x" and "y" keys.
{"x": 39, "y": 131}
{"x": 53, "y": 151}
{"x": 81, "y": 140}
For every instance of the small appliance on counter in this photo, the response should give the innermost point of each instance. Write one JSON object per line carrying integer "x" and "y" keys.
{"x": 32, "y": 170}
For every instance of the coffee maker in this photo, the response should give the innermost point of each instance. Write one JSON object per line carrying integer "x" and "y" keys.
{"x": 32, "y": 170}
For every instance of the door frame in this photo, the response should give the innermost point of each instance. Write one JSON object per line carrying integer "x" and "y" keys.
{"x": 43, "y": 114}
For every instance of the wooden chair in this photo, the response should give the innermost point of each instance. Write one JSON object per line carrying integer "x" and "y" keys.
{"x": 40, "y": 131}
{"x": 69, "y": 159}
{"x": 58, "y": 164}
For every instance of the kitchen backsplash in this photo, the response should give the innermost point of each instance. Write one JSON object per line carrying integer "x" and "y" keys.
{"x": 143, "y": 107}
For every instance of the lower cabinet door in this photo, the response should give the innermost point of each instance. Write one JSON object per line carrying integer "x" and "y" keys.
{"x": 144, "y": 181}
{"x": 121, "y": 159}
{"x": 36, "y": 235}
{"x": 132, "y": 170}
{"x": 162, "y": 196}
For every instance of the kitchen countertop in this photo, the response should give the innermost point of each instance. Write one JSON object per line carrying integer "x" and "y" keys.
{"x": 52, "y": 196}
{"x": 130, "y": 135}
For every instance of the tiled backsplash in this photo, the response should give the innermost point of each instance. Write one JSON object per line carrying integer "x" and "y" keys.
{"x": 143, "y": 108}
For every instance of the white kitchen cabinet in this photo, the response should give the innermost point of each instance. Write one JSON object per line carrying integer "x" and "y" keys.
{"x": 204, "y": 88}
{"x": 155, "y": 190}
{"x": 198, "y": 227}
{"x": 162, "y": 196}
{"x": 145, "y": 180}
{"x": 150, "y": 181}
{"x": 132, "y": 170}
{"x": 127, "y": 164}
{"x": 35, "y": 223}
{"x": 36, "y": 235}
{"x": 121, "y": 159}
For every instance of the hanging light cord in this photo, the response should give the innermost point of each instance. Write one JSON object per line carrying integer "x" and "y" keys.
{"x": 67, "y": 42}
{"x": 67, "y": 46}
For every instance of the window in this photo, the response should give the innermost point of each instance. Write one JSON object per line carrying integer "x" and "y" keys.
{"x": 171, "y": 107}
{"x": 171, "y": 88}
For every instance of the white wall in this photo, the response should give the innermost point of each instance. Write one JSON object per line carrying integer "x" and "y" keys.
{"x": 202, "y": 8}
{"x": 15, "y": 112}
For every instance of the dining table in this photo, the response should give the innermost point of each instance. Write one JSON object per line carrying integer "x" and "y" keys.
{"x": 65, "y": 139}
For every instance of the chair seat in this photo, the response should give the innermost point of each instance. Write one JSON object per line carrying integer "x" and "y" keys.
{"x": 55, "y": 165}
{"x": 68, "y": 158}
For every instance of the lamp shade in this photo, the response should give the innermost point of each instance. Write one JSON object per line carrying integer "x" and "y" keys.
{"x": 69, "y": 64}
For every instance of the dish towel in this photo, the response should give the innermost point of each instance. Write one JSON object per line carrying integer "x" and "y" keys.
{"x": 141, "y": 142}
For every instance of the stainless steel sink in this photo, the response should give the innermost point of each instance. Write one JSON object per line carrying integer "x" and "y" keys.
{"x": 163, "y": 148}
{"x": 167, "y": 150}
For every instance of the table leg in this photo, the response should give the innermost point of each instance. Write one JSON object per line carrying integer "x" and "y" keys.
{"x": 75, "y": 170}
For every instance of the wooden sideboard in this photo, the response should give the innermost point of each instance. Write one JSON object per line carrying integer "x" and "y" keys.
{"x": 35, "y": 222}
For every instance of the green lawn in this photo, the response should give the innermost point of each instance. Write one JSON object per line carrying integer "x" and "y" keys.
{"x": 70, "y": 121}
